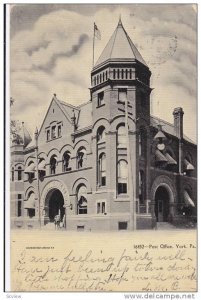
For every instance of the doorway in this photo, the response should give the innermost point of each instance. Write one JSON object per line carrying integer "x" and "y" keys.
{"x": 161, "y": 204}
{"x": 55, "y": 205}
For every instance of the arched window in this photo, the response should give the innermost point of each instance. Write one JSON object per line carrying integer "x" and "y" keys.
{"x": 42, "y": 168}
{"x": 121, "y": 137}
{"x": 30, "y": 170}
{"x": 81, "y": 157}
{"x": 19, "y": 173}
{"x": 101, "y": 134}
{"x": 66, "y": 161}
{"x": 141, "y": 187}
{"x": 102, "y": 169}
{"x": 188, "y": 164}
{"x": 53, "y": 164}
{"x": 12, "y": 174}
{"x": 29, "y": 204}
{"x": 122, "y": 181}
{"x": 82, "y": 200}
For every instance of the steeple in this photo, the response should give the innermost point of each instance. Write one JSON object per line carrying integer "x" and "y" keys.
{"x": 119, "y": 47}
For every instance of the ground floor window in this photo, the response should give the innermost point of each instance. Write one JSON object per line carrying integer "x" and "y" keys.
{"x": 31, "y": 212}
{"x": 101, "y": 208}
{"x": 123, "y": 225}
{"x": 122, "y": 177}
{"x": 82, "y": 200}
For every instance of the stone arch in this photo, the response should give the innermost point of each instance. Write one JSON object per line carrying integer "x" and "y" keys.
{"x": 30, "y": 189}
{"x": 166, "y": 182}
{"x": 53, "y": 185}
{"x": 79, "y": 182}
{"x": 52, "y": 152}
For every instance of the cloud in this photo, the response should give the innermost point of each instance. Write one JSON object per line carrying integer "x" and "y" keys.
{"x": 53, "y": 54}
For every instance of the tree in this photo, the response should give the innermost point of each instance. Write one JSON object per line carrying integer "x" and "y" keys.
{"x": 15, "y": 128}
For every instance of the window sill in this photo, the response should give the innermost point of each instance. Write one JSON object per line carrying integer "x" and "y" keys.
{"x": 56, "y": 138}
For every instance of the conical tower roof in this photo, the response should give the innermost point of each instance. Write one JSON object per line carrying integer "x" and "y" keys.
{"x": 120, "y": 47}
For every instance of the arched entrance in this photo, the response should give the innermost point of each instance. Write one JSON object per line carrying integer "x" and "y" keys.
{"x": 54, "y": 204}
{"x": 162, "y": 200}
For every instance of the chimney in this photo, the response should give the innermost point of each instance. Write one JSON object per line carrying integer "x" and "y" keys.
{"x": 178, "y": 122}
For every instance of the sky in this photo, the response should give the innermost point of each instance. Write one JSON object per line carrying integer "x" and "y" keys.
{"x": 51, "y": 52}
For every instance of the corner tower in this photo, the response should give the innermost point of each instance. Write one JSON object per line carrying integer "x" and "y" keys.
{"x": 120, "y": 70}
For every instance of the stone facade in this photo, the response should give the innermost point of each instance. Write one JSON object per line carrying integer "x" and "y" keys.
{"x": 106, "y": 164}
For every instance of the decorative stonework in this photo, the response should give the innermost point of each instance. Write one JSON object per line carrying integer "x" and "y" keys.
{"x": 168, "y": 184}
{"x": 52, "y": 185}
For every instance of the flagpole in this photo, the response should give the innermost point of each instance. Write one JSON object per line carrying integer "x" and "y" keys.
{"x": 93, "y": 45}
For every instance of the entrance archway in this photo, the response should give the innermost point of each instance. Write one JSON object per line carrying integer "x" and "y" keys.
{"x": 54, "y": 204}
{"x": 162, "y": 200}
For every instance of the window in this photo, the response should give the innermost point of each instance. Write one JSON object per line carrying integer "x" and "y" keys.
{"x": 123, "y": 225}
{"x": 59, "y": 130}
{"x": 101, "y": 134}
{"x": 48, "y": 135}
{"x": 100, "y": 98}
{"x": 122, "y": 74}
{"x": 101, "y": 208}
{"x": 53, "y": 163}
{"x": 82, "y": 200}
{"x": 95, "y": 80}
{"x": 121, "y": 137}
{"x": 19, "y": 205}
{"x": 114, "y": 73}
{"x": 103, "y": 76}
{"x": 130, "y": 73}
{"x": 106, "y": 75}
{"x": 53, "y": 132}
{"x": 122, "y": 95}
{"x": 122, "y": 177}
{"x": 81, "y": 157}
{"x": 19, "y": 174}
{"x": 102, "y": 169}
{"x": 66, "y": 161}
{"x": 13, "y": 174}
{"x": 30, "y": 170}
{"x": 118, "y": 73}
{"x": 126, "y": 74}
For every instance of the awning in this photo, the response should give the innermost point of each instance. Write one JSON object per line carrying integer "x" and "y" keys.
{"x": 41, "y": 165}
{"x": 30, "y": 202}
{"x": 188, "y": 166}
{"x": 188, "y": 199}
{"x": 160, "y": 157}
{"x": 30, "y": 168}
{"x": 170, "y": 159}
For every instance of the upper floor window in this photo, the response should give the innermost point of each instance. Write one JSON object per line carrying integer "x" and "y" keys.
{"x": 121, "y": 137}
{"x": 53, "y": 164}
{"x": 94, "y": 80}
{"x": 106, "y": 75}
{"x": 141, "y": 187}
{"x": 130, "y": 73}
{"x": 101, "y": 208}
{"x": 30, "y": 170}
{"x": 66, "y": 161}
{"x": 101, "y": 134}
{"x": 142, "y": 142}
{"x": 19, "y": 173}
{"x": 12, "y": 174}
{"x": 100, "y": 98}
{"x": 42, "y": 168}
{"x": 122, "y": 181}
{"x": 102, "y": 169}
{"x": 53, "y": 132}
{"x": 122, "y": 95}
{"x": 59, "y": 130}
{"x": 48, "y": 135}
{"x": 114, "y": 73}
{"x": 82, "y": 200}
{"x": 81, "y": 157}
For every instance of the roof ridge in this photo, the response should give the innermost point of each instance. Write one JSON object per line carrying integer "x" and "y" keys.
{"x": 68, "y": 104}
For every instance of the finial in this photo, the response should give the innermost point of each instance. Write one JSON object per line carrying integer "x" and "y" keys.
{"x": 55, "y": 95}
{"x": 36, "y": 131}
